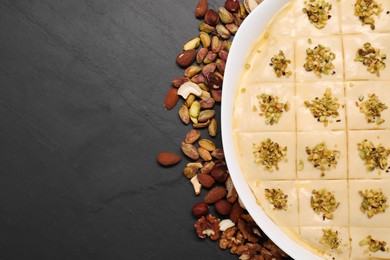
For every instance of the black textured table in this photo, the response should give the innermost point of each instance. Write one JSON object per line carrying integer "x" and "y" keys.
{"x": 82, "y": 85}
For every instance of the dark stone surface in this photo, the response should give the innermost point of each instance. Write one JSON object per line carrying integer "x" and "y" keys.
{"x": 82, "y": 84}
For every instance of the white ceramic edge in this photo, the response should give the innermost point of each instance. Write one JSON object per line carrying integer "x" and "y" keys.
{"x": 251, "y": 29}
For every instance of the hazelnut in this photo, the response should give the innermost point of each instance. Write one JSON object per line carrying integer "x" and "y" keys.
{"x": 223, "y": 207}
{"x": 211, "y": 17}
{"x": 232, "y": 5}
{"x": 200, "y": 209}
{"x": 219, "y": 173}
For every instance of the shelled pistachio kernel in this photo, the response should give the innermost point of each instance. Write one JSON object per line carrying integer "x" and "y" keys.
{"x": 374, "y": 202}
{"x": 280, "y": 64}
{"x": 318, "y": 12}
{"x": 277, "y": 198}
{"x": 271, "y": 108}
{"x": 323, "y": 201}
{"x": 375, "y": 157}
{"x": 269, "y": 154}
{"x": 373, "y": 245}
{"x": 372, "y": 58}
{"x": 319, "y": 60}
{"x": 372, "y": 109}
{"x": 365, "y": 10}
{"x": 324, "y": 108}
{"x": 322, "y": 158}
{"x": 331, "y": 239}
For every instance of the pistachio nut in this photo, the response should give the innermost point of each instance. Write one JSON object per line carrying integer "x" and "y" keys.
{"x": 203, "y": 87}
{"x": 192, "y": 136}
{"x": 201, "y": 55}
{"x": 205, "y": 95}
{"x": 216, "y": 94}
{"x": 213, "y": 127}
{"x": 218, "y": 154}
{"x": 199, "y": 78}
{"x": 195, "y": 109}
{"x": 205, "y": 39}
{"x": 179, "y": 81}
{"x": 227, "y": 45}
{"x": 232, "y": 28}
{"x": 216, "y": 44}
{"x": 204, "y": 27}
{"x": 192, "y": 71}
{"x": 221, "y": 65}
{"x": 209, "y": 68}
{"x": 225, "y": 16}
{"x": 192, "y": 44}
{"x": 191, "y": 98}
{"x": 189, "y": 171}
{"x": 207, "y": 103}
{"x": 207, "y": 144}
{"x": 204, "y": 154}
{"x": 205, "y": 115}
{"x": 223, "y": 54}
{"x": 210, "y": 57}
{"x": 201, "y": 125}
{"x": 184, "y": 114}
{"x": 222, "y": 31}
{"x": 190, "y": 151}
{"x": 207, "y": 167}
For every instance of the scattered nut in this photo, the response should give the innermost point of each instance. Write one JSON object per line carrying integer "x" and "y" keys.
{"x": 200, "y": 209}
{"x": 201, "y": 8}
{"x": 189, "y": 88}
{"x": 168, "y": 158}
{"x": 196, "y": 185}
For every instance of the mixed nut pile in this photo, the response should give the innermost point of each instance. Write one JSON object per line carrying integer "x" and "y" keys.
{"x": 204, "y": 58}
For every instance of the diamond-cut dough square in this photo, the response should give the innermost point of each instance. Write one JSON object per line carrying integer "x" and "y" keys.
{"x": 360, "y": 252}
{"x": 352, "y": 24}
{"x": 248, "y": 120}
{"x": 333, "y": 42}
{"x": 313, "y": 236}
{"x": 253, "y": 172}
{"x": 334, "y": 140}
{"x": 305, "y": 27}
{"x": 309, "y": 91}
{"x": 260, "y": 62}
{"x": 288, "y": 217}
{"x": 308, "y": 217}
{"x": 283, "y": 23}
{"x": 355, "y": 70}
{"x": 356, "y": 119}
{"x": 360, "y": 219}
{"x": 357, "y": 168}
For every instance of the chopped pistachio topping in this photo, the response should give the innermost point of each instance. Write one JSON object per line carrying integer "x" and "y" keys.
{"x": 331, "y": 239}
{"x": 374, "y": 202}
{"x": 323, "y": 201}
{"x": 372, "y": 58}
{"x": 324, "y": 108}
{"x": 366, "y": 9}
{"x": 319, "y": 60}
{"x": 322, "y": 158}
{"x": 280, "y": 64}
{"x": 301, "y": 165}
{"x": 375, "y": 157}
{"x": 318, "y": 12}
{"x": 372, "y": 108}
{"x": 271, "y": 108}
{"x": 269, "y": 154}
{"x": 277, "y": 198}
{"x": 373, "y": 245}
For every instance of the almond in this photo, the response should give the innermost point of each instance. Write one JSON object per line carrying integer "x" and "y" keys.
{"x": 171, "y": 99}
{"x": 236, "y": 212}
{"x": 168, "y": 158}
{"x": 206, "y": 180}
{"x": 223, "y": 207}
{"x": 186, "y": 58}
{"x": 215, "y": 194}
{"x": 201, "y": 8}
